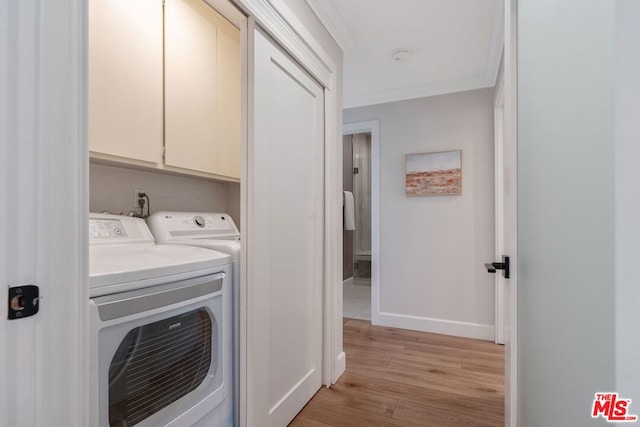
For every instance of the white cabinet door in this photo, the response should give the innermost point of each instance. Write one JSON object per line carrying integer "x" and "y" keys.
{"x": 202, "y": 89}
{"x": 125, "y": 79}
{"x": 285, "y": 232}
{"x": 229, "y": 106}
{"x": 190, "y": 85}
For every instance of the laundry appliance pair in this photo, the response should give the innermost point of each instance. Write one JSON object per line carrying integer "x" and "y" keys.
{"x": 161, "y": 321}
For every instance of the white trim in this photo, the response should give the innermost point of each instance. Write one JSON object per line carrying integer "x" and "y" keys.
{"x": 246, "y": 223}
{"x": 303, "y": 32}
{"x": 437, "y": 326}
{"x": 282, "y": 24}
{"x": 341, "y": 362}
{"x": 347, "y": 282}
{"x": 247, "y": 76}
{"x": 372, "y": 127}
{"x": 333, "y": 237}
{"x": 419, "y": 91}
{"x": 498, "y": 118}
{"x": 496, "y": 44}
{"x": 330, "y": 18}
{"x": 44, "y": 372}
{"x": 511, "y": 133}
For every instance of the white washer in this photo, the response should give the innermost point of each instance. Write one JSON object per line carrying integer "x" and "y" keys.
{"x": 215, "y": 231}
{"x": 160, "y": 317}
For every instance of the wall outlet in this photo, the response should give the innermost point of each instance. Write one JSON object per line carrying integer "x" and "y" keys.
{"x": 136, "y": 196}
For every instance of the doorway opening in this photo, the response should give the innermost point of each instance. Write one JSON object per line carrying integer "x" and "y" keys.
{"x": 361, "y": 244}
{"x": 356, "y": 184}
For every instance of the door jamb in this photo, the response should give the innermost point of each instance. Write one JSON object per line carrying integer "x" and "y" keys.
{"x": 511, "y": 134}
{"x": 499, "y": 130}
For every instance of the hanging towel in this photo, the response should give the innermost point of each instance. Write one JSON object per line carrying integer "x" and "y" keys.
{"x": 349, "y": 214}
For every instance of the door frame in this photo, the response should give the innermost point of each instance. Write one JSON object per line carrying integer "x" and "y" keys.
{"x": 499, "y": 130}
{"x": 511, "y": 134}
{"x": 45, "y": 158}
{"x": 372, "y": 127}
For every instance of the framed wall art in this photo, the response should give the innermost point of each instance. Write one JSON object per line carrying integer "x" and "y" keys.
{"x": 430, "y": 174}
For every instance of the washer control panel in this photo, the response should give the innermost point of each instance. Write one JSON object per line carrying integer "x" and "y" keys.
{"x": 169, "y": 226}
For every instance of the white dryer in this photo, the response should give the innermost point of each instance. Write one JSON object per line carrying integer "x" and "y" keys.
{"x": 215, "y": 231}
{"x": 160, "y": 317}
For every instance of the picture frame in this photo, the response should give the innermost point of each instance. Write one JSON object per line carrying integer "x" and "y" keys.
{"x": 434, "y": 174}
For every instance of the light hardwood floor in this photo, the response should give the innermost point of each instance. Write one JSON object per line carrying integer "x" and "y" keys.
{"x": 405, "y": 378}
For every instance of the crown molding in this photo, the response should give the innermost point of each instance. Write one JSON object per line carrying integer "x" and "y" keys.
{"x": 282, "y": 24}
{"x": 337, "y": 27}
{"x": 481, "y": 81}
{"x": 418, "y": 91}
{"x": 496, "y": 43}
{"x": 333, "y": 22}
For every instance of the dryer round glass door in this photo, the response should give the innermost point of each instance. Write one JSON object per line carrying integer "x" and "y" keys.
{"x": 158, "y": 363}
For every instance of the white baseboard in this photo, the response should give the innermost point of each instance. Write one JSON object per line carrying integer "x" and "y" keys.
{"x": 436, "y": 326}
{"x": 348, "y": 281}
{"x": 340, "y": 366}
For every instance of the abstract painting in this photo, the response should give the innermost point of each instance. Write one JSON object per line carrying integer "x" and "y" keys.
{"x": 434, "y": 173}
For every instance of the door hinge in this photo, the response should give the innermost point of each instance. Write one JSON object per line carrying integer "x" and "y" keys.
{"x": 355, "y": 171}
{"x": 164, "y": 154}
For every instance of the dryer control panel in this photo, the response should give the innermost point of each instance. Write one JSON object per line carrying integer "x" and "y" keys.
{"x": 171, "y": 226}
{"x": 106, "y": 229}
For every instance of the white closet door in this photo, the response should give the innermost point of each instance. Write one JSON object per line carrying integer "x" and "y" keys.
{"x": 285, "y": 250}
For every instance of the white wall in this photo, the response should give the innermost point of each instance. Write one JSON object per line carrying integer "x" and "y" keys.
{"x": 232, "y": 201}
{"x": 432, "y": 248}
{"x": 111, "y": 189}
{"x": 565, "y": 209}
{"x": 627, "y": 196}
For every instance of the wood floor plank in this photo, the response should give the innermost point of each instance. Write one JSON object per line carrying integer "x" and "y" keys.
{"x": 407, "y": 378}
{"x": 336, "y": 415}
{"x": 356, "y": 351}
{"x": 427, "y": 415}
{"x": 462, "y": 374}
{"x": 345, "y": 396}
{"x": 304, "y": 421}
{"x": 366, "y": 385}
{"x": 407, "y": 337}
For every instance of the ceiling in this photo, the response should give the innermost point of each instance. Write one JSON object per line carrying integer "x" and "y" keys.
{"x": 453, "y": 45}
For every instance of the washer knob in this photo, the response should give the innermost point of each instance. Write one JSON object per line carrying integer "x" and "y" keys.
{"x": 199, "y": 221}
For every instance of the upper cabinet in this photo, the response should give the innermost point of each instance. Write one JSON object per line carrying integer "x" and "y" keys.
{"x": 165, "y": 80}
{"x": 125, "y": 79}
{"x": 202, "y": 89}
